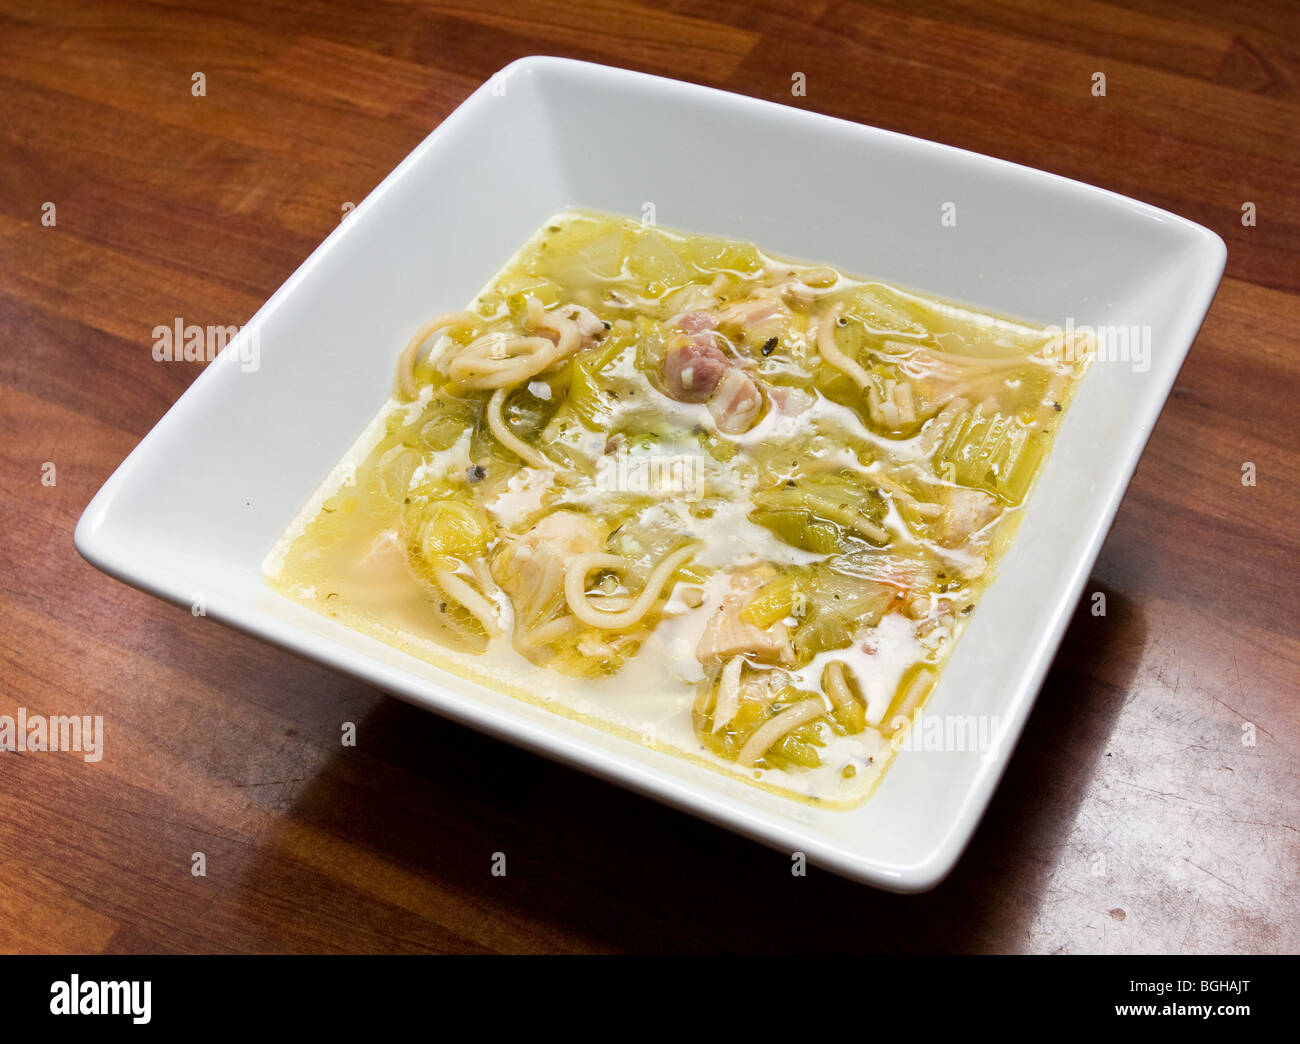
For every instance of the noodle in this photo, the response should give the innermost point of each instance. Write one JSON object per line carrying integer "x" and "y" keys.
{"x": 917, "y": 689}
{"x": 774, "y": 729}
{"x": 406, "y": 362}
{"x": 901, "y": 496}
{"x": 552, "y": 631}
{"x": 540, "y": 319}
{"x": 479, "y": 607}
{"x": 830, "y": 351}
{"x": 837, "y": 688}
{"x": 728, "y": 704}
{"x": 495, "y": 362}
{"x": 575, "y": 589}
{"x": 507, "y": 438}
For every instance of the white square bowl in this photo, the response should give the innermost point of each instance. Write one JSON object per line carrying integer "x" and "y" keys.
{"x": 194, "y": 509}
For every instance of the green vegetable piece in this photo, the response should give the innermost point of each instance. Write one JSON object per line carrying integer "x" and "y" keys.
{"x": 800, "y": 528}
{"x": 995, "y": 453}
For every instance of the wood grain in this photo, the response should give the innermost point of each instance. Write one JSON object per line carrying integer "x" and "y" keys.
{"x": 1132, "y": 818}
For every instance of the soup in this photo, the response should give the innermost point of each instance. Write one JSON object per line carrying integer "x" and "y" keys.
{"x": 736, "y": 507}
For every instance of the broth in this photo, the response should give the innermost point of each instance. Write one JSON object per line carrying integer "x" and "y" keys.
{"x": 735, "y": 506}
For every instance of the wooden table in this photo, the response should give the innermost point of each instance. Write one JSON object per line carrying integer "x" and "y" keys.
{"x": 1133, "y": 818}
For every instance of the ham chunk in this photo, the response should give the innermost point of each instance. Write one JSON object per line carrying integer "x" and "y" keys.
{"x": 727, "y": 635}
{"x": 737, "y": 402}
{"x": 693, "y": 368}
{"x": 695, "y": 322}
{"x": 696, "y": 370}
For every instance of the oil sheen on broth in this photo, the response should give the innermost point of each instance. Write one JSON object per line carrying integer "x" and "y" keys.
{"x": 737, "y": 506}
